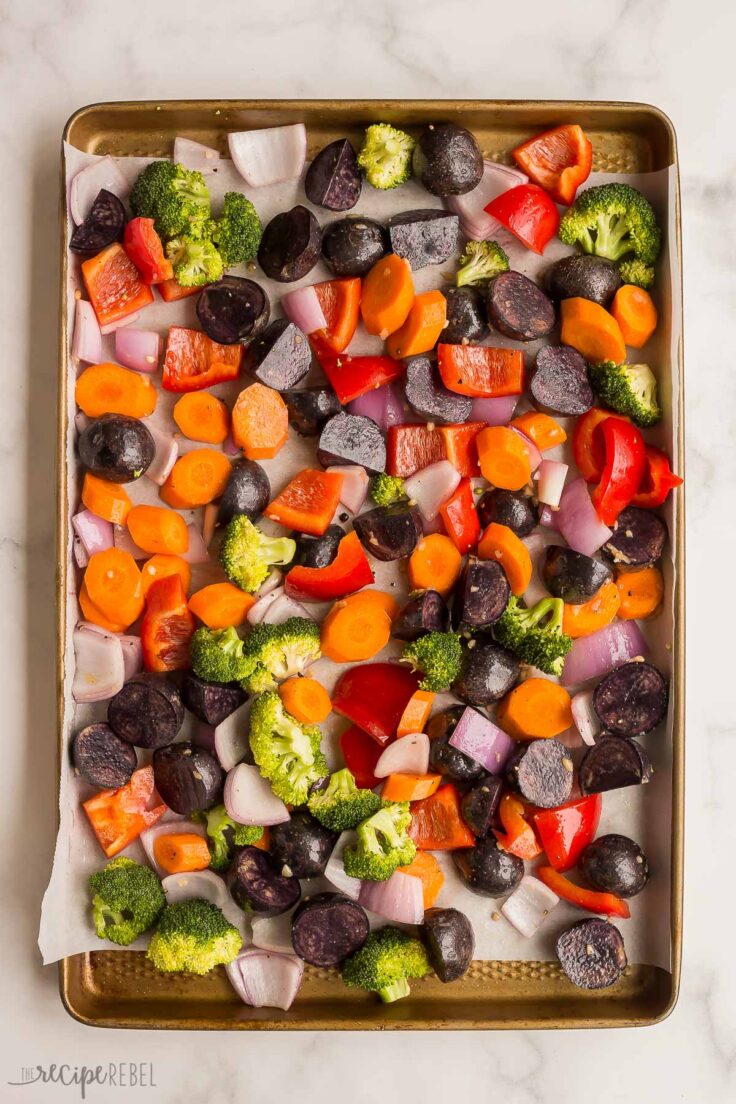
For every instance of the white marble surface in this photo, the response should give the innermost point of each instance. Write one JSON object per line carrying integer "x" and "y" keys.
{"x": 58, "y": 54}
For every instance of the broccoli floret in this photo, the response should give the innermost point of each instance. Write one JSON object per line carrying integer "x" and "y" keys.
{"x": 245, "y": 835}
{"x": 246, "y": 553}
{"x": 636, "y": 272}
{"x": 193, "y": 935}
{"x": 216, "y": 655}
{"x": 127, "y": 899}
{"x": 342, "y": 804}
{"x": 385, "y": 962}
{"x": 385, "y": 156}
{"x": 629, "y": 389}
{"x": 223, "y": 832}
{"x": 237, "y": 232}
{"x": 535, "y": 635}
{"x": 382, "y": 844}
{"x": 276, "y": 652}
{"x": 287, "y": 753}
{"x": 612, "y": 220}
{"x": 438, "y": 656}
{"x": 196, "y": 261}
{"x": 387, "y": 489}
{"x": 480, "y": 262}
{"x": 174, "y": 197}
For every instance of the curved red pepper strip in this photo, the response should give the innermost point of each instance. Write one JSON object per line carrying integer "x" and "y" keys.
{"x": 622, "y": 471}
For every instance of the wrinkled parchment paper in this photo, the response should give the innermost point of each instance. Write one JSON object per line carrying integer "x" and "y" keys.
{"x": 641, "y": 812}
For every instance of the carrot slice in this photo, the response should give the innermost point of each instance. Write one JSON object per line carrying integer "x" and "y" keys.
{"x": 421, "y": 331}
{"x": 114, "y": 285}
{"x": 501, "y": 543}
{"x": 306, "y": 699}
{"x": 110, "y": 389}
{"x": 308, "y": 502}
{"x": 260, "y": 422}
{"x": 590, "y": 329}
{"x": 540, "y": 428}
{"x": 635, "y": 313}
{"x": 161, "y": 566}
{"x": 410, "y": 787}
{"x": 107, "y": 500}
{"x": 340, "y": 302}
{"x": 202, "y": 417}
{"x": 640, "y": 593}
{"x": 180, "y": 852}
{"x": 425, "y": 867}
{"x": 171, "y": 290}
{"x": 434, "y": 564}
{"x": 156, "y": 529}
{"x": 388, "y": 294}
{"x": 379, "y": 599}
{"x": 114, "y": 586}
{"x": 504, "y": 458}
{"x": 196, "y": 478}
{"x": 594, "y": 614}
{"x": 416, "y": 714}
{"x": 91, "y": 613}
{"x": 221, "y": 605}
{"x": 536, "y": 709}
{"x": 355, "y": 630}
{"x": 461, "y": 447}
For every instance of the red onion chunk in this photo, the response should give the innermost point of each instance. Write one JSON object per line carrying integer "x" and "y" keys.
{"x": 111, "y": 327}
{"x": 436, "y": 525}
{"x": 354, "y": 488}
{"x": 250, "y": 800}
{"x": 432, "y": 486}
{"x": 265, "y": 979}
{"x": 81, "y": 421}
{"x": 132, "y": 655}
{"x": 260, "y": 607}
{"x": 535, "y": 456}
{"x": 335, "y": 869}
{"x": 548, "y": 518}
{"x": 407, "y": 755}
{"x": 178, "y": 827}
{"x": 193, "y": 155}
{"x": 595, "y": 655}
{"x": 229, "y": 447}
{"x": 494, "y": 412}
{"x": 529, "y": 905}
{"x": 209, "y": 522}
{"x": 482, "y": 741}
{"x": 231, "y": 738}
{"x": 585, "y": 717}
{"x": 495, "y": 180}
{"x": 303, "y": 308}
{"x": 94, "y": 532}
{"x": 138, "y": 349}
{"x": 578, "y": 521}
{"x": 282, "y": 608}
{"x": 164, "y": 458}
{"x": 400, "y": 898}
{"x": 99, "y": 671}
{"x": 273, "y": 933}
{"x": 103, "y": 172}
{"x": 197, "y": 552}
{"x": 81, "y": 558}
{"x": 551, "y": 475}
{"x": 269, "y": 155}
{"x": 87, "y": 339}
{"x": 123, "y": 540}
{"x": 536, "y": 590}
{"x": 384, "y": 406}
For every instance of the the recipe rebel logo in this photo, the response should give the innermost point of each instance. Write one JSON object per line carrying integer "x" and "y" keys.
{"x": 116, "y": 1075}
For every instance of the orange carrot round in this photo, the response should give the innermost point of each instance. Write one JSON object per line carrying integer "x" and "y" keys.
{"x": 540, "y": 428}
{"x": 416, "y": 713}
{"x": 196, "y": 478}
{"x": 590, "y": 329}
{"x": 501, "y": 543}
{"x": 354, "y": 631}
{"x": 640, "y": 593}
{"x": 594, "y": 614}
{"x": 388, "y": 294}
{"x": 306, "y": 699}
{"x": 110, "y": 389}
{"x": 423, "y": 326}
{"x": 91, "y": 613}
{"x": 156, "y": 529}
{"x": 113, "y": 584}
{"x": 434, "y": 564}
{"x": 260, "y": 422}
{"x": 107, "y": 500}
{"x": 379, "y": 599}
{"x": 160, "y": 566}
{"x": 182, "y": 852}
{"x": 536, "y": 709}
{"x": 202, "y": 417}
{"x": 221, "y": 605}
{"x": 504, "y": 458}
{"x": 635, "y": 313}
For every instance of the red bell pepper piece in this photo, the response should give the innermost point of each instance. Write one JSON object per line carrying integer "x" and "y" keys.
{"x": 480, "y": 370}
{"x": 340, "y": 302}
{"x": 460, "y": 447}
{"x": 529, "y": 213}
{"x": 171, "y": 291}
{"x": 587, "y": 443}
{"x": 143, "y": 246}
{"x": 374, "y": 696}
{"x": 361, "y": 753}
{"x": 114, "y": 285}
{"x": 460, "y": 517}
{"x": 567, "y": 830}
{"x": 606, "y": 904}
{"x": 354, "y": 376}
{"x": 119, "y": 816}
{"x": 348, "y": 572}
{"x": 437, "y": 823}
{"x": 193, "y": 361}
{"x": 518, "y": 836}
{"x": 658, "y": 479}
{"x": 409, "y": 448}
{"x": 167, "y": 626}
{"x": 559, "y": 160}
{"x": 623, "y": 469}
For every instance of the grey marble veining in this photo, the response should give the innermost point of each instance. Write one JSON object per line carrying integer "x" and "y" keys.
{"x": 58, "y": 54}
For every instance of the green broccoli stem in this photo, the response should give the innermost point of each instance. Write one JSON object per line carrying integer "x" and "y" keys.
{"x": 475, "y": 269}
{"x": 611, "y": 230}
{"x": 395, "y": 991}
{"x": 103, "y": 915}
